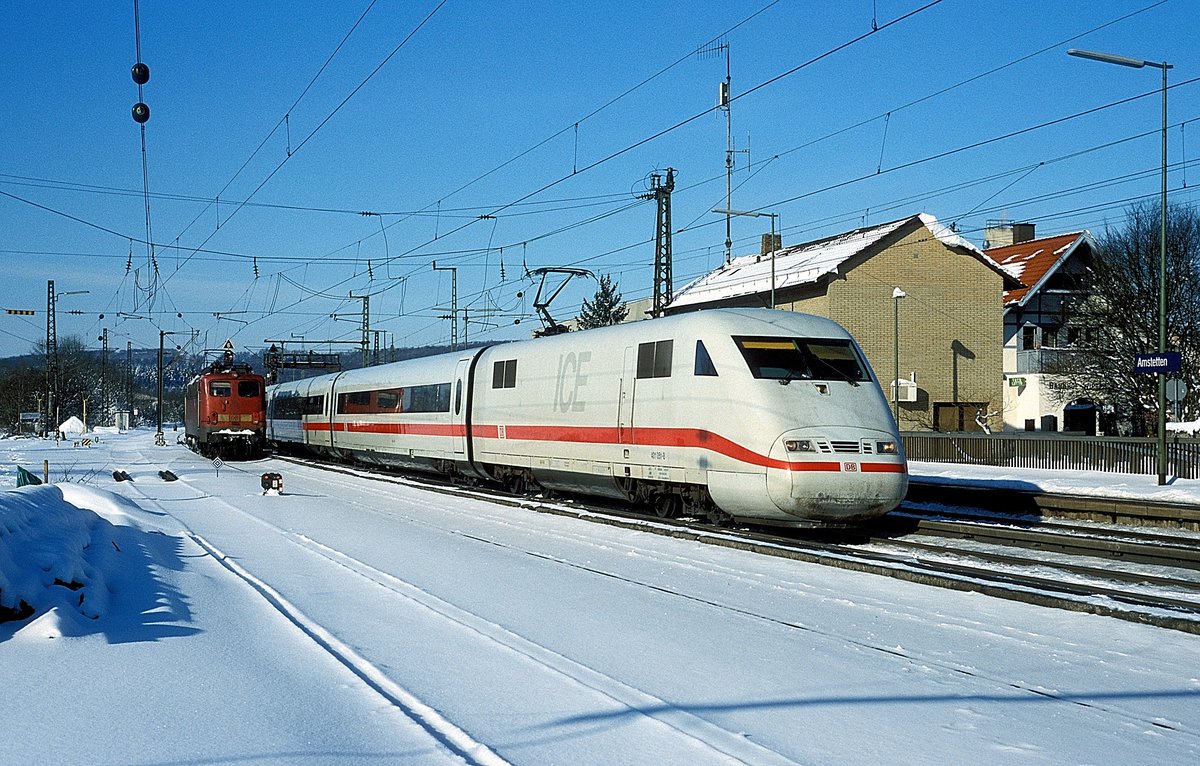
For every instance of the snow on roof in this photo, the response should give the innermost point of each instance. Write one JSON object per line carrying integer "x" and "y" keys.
{"x": 1033, "y": 261}
{"x": 801, "y": 264}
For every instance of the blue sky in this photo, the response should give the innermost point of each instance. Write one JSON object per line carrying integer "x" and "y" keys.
{"x": 499, "y": 137}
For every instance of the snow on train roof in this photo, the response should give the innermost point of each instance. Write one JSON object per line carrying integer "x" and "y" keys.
{"x": 800, "y": 264}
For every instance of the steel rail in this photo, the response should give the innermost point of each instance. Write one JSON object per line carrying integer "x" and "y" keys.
{"x": 1155, "y": 550}
{"x": 1147, "y": 608}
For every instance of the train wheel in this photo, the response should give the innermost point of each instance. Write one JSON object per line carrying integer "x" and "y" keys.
{"x": 516, "y": 485}
{"x": 667, "y": 506}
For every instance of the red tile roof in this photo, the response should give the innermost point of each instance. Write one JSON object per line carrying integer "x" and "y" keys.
{"x": 1031, "y": 261}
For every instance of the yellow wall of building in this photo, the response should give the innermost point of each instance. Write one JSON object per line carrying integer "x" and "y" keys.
{"x": 951, "y": 323}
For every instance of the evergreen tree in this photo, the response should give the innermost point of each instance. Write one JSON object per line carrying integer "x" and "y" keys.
{"x": 605, "y": 308}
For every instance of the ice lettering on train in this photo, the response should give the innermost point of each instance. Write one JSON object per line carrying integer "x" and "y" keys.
{"x": 570, "y": 380}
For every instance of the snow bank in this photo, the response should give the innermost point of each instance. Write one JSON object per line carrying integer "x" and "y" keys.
{"x": 54, "y": 553}
{"x": 1190, "y": 427}
{"x": 72, "y": 426}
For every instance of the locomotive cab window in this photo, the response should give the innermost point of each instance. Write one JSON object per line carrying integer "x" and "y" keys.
{"x": 504, "y": 374}
{"x": 654, "y": 359}
{"x": 788, "y": 359}
{"x": 220, "y": 388}
{"x": 249, "y": 388}
{"x": 704, "y": 363}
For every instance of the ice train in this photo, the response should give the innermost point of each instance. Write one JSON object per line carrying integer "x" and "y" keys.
{"x": 752, "y": 415}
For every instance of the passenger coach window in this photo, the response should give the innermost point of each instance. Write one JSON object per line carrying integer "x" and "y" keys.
{"x": 220, "y": 388}
{"x": 704, "y": 365}
{"x": 802, "y": 359}
{"x": 504, "y": 374}
{"x": 654, "y": 359}
{"x": 382, "y": 402}
{"x": 285, "y": 408}
{"x": 434, "y": 398}
{"x": 248, "y": 388}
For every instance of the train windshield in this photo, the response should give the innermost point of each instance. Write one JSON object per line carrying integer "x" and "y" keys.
{"x": 788, "y": 359}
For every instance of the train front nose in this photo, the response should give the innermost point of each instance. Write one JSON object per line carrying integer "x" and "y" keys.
{"x": 837, "y": 477}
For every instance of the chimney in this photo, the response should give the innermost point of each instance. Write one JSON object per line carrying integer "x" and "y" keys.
{"x": 768, "y": 246}
{"x": 1002, "y": 233}
{"x": 1022, "y": 232}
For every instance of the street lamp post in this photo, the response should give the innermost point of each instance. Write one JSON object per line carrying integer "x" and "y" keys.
{"x": 897, "y": 294}
{"x": 1110, "y": 58}
{"x": 755, "y": 214}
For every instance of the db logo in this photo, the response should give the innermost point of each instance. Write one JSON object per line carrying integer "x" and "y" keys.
{"x": 850, "y": 467}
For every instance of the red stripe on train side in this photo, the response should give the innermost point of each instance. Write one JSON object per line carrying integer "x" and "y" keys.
{"x": 694, "y": 438}
{"x": 690, "y": 438}
{"x": 883, "y": 468}
{"x": 393, "y": 429}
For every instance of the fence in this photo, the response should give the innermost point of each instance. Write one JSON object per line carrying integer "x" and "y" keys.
{"x": 1114, "y": 454}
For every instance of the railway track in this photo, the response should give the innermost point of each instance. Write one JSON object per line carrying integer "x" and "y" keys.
{"x": 1129, "y": 574}
{"x": 1047, "y": 505}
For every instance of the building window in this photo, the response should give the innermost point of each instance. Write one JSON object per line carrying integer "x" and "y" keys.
{"x": 1028, "y": 337}
{"x": 654, "y": 359}
{"x": 504, "y": 374}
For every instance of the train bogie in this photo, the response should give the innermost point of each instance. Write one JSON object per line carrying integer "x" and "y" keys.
{"x": 764, "y": 416}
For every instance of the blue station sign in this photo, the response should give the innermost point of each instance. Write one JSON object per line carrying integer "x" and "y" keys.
{"x": 1166, "y": 361}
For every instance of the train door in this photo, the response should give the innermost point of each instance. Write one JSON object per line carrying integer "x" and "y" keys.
{"x": 329, "y": 408}
{"x": 459, "y": 406}
{"x": 625, "y": 405}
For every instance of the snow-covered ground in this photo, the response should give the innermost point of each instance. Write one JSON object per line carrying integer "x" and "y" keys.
{"x": 351, "y": 621}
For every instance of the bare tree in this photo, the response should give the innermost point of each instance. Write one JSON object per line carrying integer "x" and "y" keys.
{"x": 1119, "y": 319}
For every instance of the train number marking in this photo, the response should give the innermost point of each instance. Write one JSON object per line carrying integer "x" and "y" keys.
{"x": 570, "y": 380}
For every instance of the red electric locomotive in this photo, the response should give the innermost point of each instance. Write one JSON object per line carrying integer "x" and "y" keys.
{"x": 224, "y": 412}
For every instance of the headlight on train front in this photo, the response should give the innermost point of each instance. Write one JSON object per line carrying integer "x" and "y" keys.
{"x": 799, "y": 445}
{"x": 886, "y": 448}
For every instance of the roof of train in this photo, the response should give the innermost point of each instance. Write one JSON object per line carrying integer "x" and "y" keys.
{"x": 711, "y": 321}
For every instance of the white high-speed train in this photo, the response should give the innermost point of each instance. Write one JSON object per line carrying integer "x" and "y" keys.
{"x": 762, "y": 416}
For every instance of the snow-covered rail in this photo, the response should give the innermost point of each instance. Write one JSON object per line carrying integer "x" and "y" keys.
{"x": 1169, "y": 602}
